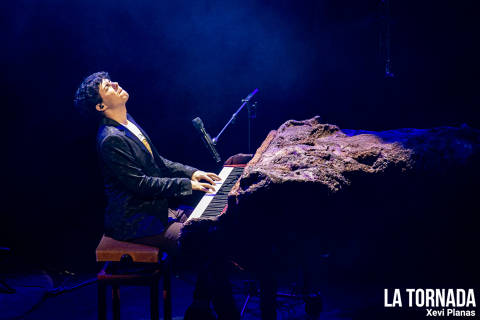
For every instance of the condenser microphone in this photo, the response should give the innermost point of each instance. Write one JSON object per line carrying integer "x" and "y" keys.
{"x": 198, "y": 124}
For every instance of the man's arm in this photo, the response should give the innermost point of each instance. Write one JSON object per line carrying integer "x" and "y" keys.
{"x": 196, "y": 176}
{"x": 178, "y": 169}
{"x": 116, "y": 155}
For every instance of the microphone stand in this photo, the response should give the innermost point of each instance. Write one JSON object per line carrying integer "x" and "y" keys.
{"x": 251, "y": 115}
{"x": 234, "y": 116}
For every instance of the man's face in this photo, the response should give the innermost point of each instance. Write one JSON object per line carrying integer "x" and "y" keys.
{"x": 112, "y": 94}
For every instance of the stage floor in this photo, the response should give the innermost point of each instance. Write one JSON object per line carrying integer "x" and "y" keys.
{"x": 31, "y": 302}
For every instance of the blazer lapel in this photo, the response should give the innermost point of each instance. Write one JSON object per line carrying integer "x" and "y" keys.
{"x": 127, "y": 132}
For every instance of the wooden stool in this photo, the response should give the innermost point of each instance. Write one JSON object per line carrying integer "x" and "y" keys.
{"x": 115, "y": 255}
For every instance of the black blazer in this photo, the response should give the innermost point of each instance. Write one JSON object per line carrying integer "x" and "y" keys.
{"x": 137, "y": 185}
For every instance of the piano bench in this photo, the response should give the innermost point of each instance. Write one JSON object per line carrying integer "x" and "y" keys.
{"x": 134, "y": 264}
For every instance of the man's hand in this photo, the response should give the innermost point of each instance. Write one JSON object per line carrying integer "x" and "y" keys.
{"x": 202, "y": 186}
{"x": 207, "y": 176}
{"x": 209, "y": 185}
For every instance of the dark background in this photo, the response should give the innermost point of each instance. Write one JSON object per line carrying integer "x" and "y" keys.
{"x": 182, "y": 59}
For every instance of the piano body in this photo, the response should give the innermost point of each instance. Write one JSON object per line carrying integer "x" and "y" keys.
{"x": 376, "y": 200}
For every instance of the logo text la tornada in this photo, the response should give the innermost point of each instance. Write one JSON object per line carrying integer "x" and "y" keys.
{"x": 434, "y": 298}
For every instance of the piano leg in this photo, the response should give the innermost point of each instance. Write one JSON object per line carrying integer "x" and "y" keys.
{"x": 268, "y": 292}
{"x": 213, "y": 284}
{"x": 224, "y": 303}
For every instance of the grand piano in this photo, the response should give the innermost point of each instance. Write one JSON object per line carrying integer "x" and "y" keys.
{"x": 378, "y": 201}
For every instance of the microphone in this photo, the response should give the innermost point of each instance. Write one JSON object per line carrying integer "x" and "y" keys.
{"x": 198, "y": 124}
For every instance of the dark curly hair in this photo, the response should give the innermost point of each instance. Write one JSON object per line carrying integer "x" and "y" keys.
{"x": 87, "y": 96}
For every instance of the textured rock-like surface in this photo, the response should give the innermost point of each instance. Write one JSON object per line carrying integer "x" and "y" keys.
{"x": 309, "y": 152}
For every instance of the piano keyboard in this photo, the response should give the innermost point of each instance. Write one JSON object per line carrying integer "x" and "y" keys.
{"x": 213, "y": 204}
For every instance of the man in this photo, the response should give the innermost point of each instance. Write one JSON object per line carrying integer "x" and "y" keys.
{"x": 141, "y": 186}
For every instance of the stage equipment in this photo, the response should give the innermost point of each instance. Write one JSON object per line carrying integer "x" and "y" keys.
{"x": 211, "y": 143}
{"x": 198, "y": 124}
{"x": 251, "y": 115}
{"x": 385, "y": 37}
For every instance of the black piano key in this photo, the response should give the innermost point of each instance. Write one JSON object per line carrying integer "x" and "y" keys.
{"x": 217, "y": 206}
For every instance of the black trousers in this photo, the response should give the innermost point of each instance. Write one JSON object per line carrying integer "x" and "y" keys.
{"x": 168, "y": 239}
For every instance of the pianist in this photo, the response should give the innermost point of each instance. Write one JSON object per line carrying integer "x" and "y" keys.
{"x": 140, "y": 184}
